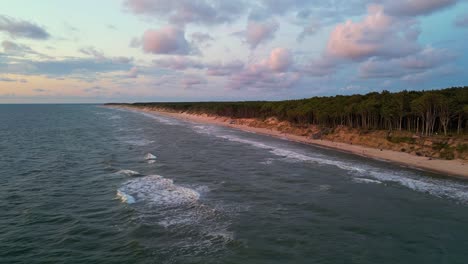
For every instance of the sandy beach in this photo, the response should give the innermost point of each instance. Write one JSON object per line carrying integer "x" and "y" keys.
{"x": 455, "y": 168}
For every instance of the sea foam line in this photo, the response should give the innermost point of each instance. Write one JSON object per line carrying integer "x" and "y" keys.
{"x": 437, "y": 187}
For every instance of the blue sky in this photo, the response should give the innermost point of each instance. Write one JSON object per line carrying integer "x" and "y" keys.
{"x": 181, "y": 50}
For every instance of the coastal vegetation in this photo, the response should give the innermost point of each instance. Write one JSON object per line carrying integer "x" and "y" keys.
{"x": 423, "y": 112}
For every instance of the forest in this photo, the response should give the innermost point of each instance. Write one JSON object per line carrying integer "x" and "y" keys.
{"x": 442, "y": 111}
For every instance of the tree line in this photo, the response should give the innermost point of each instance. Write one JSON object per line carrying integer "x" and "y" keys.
{"x": 425, "y": 112}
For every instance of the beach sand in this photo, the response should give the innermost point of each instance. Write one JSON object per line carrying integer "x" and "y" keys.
{"x": 457, "y": 168}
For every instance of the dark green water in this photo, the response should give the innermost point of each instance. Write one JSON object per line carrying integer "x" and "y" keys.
{"x": 213, "y": 195}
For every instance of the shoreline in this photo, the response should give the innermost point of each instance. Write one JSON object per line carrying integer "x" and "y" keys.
{"x": 451, "y": 168}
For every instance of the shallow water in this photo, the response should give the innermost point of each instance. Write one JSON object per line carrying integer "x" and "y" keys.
{"x": 77, "y": 186}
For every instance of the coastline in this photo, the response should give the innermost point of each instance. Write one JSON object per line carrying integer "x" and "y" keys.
{"x": 452, "y": 168}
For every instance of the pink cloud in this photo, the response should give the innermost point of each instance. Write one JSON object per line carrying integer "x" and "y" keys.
{"x": 377, "y": 35}
{"x": 167, "y": 40}
{"x": 260, "y": 32}
{"x": 273, "y": 72}
{"x": 280, "y": 59}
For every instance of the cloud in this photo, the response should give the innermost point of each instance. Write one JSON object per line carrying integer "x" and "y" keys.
{"x": 133, "y": 73}
{"x": 280, "y": 60}
{"x": 415, "y": 64}
{"x": 415, "y": 7}
{"x": 92, "y": 52}
{"x": 22, "y": 29}
{"x": 189, "y": 81}
{"x": 6, "y": 79}
{"x": 201, "y": 38}
{"x": 40, "y": 90}
{"x": 167, "y": 40}
{"x": 223, "y": 69}
{"x": 258, "y": 32}
{"x": 99, "y": 55}
{"x": 309, "y": 29}
{"x": 81, "y": 68}
{"x": 322, "y": 66}
{"x": 10, "y": 47}
{"x": 461, "y": 20}
{"x": 178, "y": 63}
{"x": 181, "y": 12}
{"x": 377, "y": 35}
{"x": 263, "y": 80}
{"x": 274, "y": 72}
{"x": 94, "y": 89}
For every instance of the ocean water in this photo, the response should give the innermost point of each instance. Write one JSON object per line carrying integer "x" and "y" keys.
{"x": 88, "y": 184}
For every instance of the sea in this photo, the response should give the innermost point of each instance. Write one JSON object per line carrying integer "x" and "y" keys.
{"x": 90, "y": 184}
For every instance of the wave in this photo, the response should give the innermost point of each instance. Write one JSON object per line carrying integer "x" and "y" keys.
{"x": 160, "y": 119}
{"x": 205, "y": 129}
{"x": 139, "y": 142}
{"x": 364, "y": 180}
{"x": 159, "y": 191}
{"x": 114, "y": 117}
{"x": 159, "y": 200}
{"x": 128, "y": 172}
{"x": 294, "y": 156}
{"x": 150, "y": 156}
{"x": 126, "y": 198}
{"x": 442, "y": 188}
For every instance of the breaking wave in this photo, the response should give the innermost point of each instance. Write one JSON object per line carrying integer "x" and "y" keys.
{"x": 178, "y": 209}
{"x": 364, "y": 180}
{"x": 138, "y": 142}
{"x": 159, "y": 191}
{"x": 150, "y": 156}
{"x": 437, "y": 187}
{"x": 128, "y": 173}
{"x": 160, "y": 119}
{"x": 114, "y": 117}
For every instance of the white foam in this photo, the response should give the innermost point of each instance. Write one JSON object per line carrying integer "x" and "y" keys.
{"x": 160, "y": 119}
{"x": 364, "y": 180}
{"x": 268, "y": 161}
{"x": 157, "y": 190}
{"x": 139, "y": 142}
{"x": 128, "y": 172}
{"x": 125, "y": 198}
{"x": 150, "y": 156}
{"x": 114, "y": 117}
{"x": 205, "y": 129}
{"x": 435, "y": 187}
{"x": 324, "y": 187}
{"x": 294, "y": 156}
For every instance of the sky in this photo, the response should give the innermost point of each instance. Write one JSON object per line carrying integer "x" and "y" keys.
{"x": 87, "y": 51}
